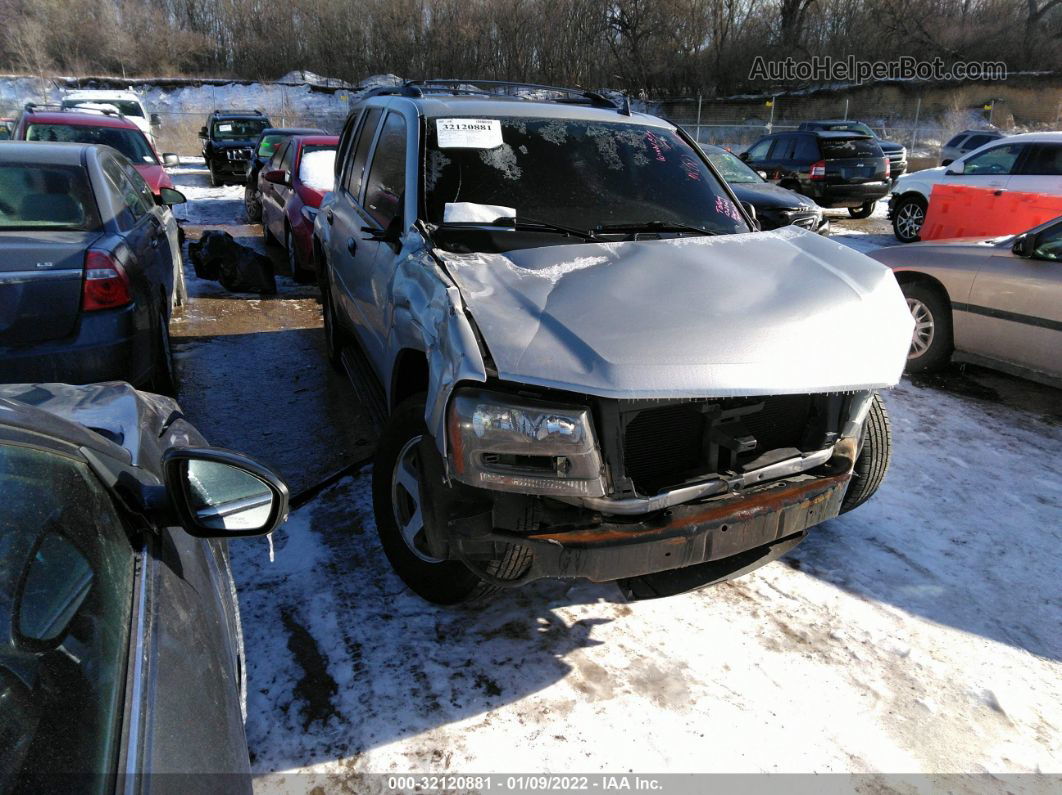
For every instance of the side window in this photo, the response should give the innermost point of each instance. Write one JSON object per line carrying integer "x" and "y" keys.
{"x": 758, "y": 151}
{"x": 783, "y": 148}
{"x": 278, "y": 156}
{"x": 288, "y": 158}
{"x": 144, "y": 198}
{"x": 976, "y": 142}
{"x": 356, "y": 173}
{"x": 386, "y": 183}
{"x": 1044, "y": 160}
{"x": 346, "y": 139}
{"x": 995, "y": 161}
{"x": 121, "y": 190}
{"x": 807, "y": 149}
{"x": 958, "y": 139}
{"x": 66, "y": 581}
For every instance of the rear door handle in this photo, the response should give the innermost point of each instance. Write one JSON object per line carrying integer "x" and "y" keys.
{"x": 154, "y": 242}
{"x": 352, "y": 245}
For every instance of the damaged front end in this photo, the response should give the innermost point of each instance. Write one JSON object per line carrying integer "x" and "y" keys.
{"x": 664, "y": 496}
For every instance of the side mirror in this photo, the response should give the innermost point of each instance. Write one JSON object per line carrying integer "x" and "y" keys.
{"x": 170, "y": 159}
{"x": 762, "y": 174}
{"x": 155, "y": 120}
{"x": 391, "y": 235}
{"x": 1024, "y": 245}
{"x": 169, "y": 196}
{"x": 276, "y": 176}
{"x": 750, "y": 208}
{"x": 220, "y": 494}
{"x": 744, "y": 155}
{"x": 202, "y": 132}
{"x": 954, "y": 169}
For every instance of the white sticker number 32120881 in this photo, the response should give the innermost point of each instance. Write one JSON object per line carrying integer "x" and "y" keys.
{"x": 468, "y": 133}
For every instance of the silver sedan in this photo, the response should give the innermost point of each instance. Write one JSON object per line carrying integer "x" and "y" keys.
{"x": 992, "y": 301}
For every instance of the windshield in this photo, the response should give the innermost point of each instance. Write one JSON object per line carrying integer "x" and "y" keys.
{"x": 47, "y": 197}
{"x": 733, "y": 170}
{"x": 267, "y": 147}
{"x": 126, "y": 107}
{"x": 576, "y": 173}
{"x": 130, "y": 143}
{"x": 239, "y": 128}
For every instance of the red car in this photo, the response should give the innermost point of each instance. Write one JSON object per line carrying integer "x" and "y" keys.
{"x": 97, "y": 127}
{"x": 292, "y": 185}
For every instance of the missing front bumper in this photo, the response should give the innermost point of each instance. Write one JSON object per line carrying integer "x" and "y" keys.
{"x": 684, "y": 536}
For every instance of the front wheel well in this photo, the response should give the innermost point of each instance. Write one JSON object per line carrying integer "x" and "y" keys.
{"x": 914, "y": 277}
{"x": 409, "y": 377}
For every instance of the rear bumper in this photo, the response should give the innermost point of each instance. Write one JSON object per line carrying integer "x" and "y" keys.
{"x": 849, "y": 195}
{"x": 682, "y": 536}
{"x": 105, "y": 348}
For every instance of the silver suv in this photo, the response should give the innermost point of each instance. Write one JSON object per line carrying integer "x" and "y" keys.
{"x": 589, "y": 362}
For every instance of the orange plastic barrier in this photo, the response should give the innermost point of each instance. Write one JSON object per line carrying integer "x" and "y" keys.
{"x": 961, "y": 211}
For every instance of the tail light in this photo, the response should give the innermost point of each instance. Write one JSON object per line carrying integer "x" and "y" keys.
{"x": 818, "y": 170}
{"x": 105, "y": 286}
{"x": 888, "y": 168}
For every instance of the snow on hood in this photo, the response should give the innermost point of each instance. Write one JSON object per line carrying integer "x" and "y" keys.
{"x": 764, "y": 313}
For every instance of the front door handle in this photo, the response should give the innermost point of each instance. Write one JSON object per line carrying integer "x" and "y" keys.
{"x": 352, "y": 245}
{"x": 154, "y": 242}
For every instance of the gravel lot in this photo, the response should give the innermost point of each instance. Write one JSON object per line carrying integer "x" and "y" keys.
{"x": 921, "y": 633}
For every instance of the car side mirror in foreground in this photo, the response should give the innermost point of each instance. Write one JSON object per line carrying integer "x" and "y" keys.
{"x": 391, "y": 235}
{"x": 202, "y": 132}
{"x": 170, "y": 159}
{"x": 221, "y": 494}
{"x": 169, "y": 196}
{"x": 277, "y": 176}
{"x": 1024, "y": 245}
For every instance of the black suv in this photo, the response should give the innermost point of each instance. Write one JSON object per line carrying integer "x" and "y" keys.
{"x": 228, "y": 143}
{"x": 896, "y": 153}
{"x": 836, "y": 169}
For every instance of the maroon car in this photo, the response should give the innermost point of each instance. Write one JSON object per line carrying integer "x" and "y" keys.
{"x": 292, "y": 185}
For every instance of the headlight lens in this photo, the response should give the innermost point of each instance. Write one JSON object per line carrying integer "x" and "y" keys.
{"x": 517, "y": 444}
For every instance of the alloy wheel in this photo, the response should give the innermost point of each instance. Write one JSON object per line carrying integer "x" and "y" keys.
{"x": 922, "y": 337}
{"x": 909, "y": 220}
{"x": 405, "y": 500}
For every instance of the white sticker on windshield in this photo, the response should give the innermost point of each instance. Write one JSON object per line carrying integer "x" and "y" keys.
{"x": 224, "y": 128}
{"x": 469, "y": 133}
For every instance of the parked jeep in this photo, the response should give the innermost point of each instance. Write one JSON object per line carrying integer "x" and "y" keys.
{"x": 589, "y": 363}
{"x": 229, "y": 138}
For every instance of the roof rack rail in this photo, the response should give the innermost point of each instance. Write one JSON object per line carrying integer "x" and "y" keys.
{"x": 235, "y": 111}
{"x": 52, "y": 107}
{"x": 416, "y": 88}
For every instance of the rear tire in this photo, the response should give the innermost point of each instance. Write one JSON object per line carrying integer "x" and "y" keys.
{"x": 163, "y": 379}
{"x": 862, "y": 211}
{"x": 873, "y": 461}
{"x": 907, "y": 218}
{"x": 931, "y": 342}
{"x": 400, "y": 518}
{"x": 251, "y": 204}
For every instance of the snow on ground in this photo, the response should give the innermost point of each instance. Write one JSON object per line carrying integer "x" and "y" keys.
{"x": 919, "y": 633}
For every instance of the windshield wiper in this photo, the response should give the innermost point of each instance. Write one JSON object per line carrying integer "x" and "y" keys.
{"x": 533, "y": 224}
{"x": 653, "y": 226}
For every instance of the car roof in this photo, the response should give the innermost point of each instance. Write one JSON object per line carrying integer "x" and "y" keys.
{"x": 76, "y": 119}
{"x": 317, "y": 140}
{"x": 60, "y": 154}
{"x": 1036, "y": 138}
{"x": 293, "y": 131}
{"x": 439, "y": 105}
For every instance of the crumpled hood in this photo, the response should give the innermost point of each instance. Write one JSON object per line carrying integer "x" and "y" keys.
{"x": 766, "y": 313}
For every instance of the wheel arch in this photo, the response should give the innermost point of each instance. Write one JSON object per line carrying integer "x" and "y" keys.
{"x": 410, "y": 375}
{"x": 906, "y": 277}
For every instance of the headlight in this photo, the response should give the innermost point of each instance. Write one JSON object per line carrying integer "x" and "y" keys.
{"x": 517, "y": 444}
{"x": 309, "y": 213}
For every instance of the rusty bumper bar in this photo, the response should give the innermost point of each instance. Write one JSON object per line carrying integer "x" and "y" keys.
{"x": 685, "y": 535}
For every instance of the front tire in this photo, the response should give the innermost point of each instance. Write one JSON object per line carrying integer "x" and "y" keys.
{"x": 335, "y": 337}
{"x": 931, "y": 341}
{"x": 397, "y": 495}
{"x": 862, "y": 211}
{"x": 298, "y": 273}
{"x": 163, "y": 379}
{"x": 873, "y": 461}
{"x": 252, "y": 204}
{"x": 215, "y": 180}
{"x": 907, "y": 218}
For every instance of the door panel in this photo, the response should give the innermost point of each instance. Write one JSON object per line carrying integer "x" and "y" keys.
{"x": 1014, "y": 312}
